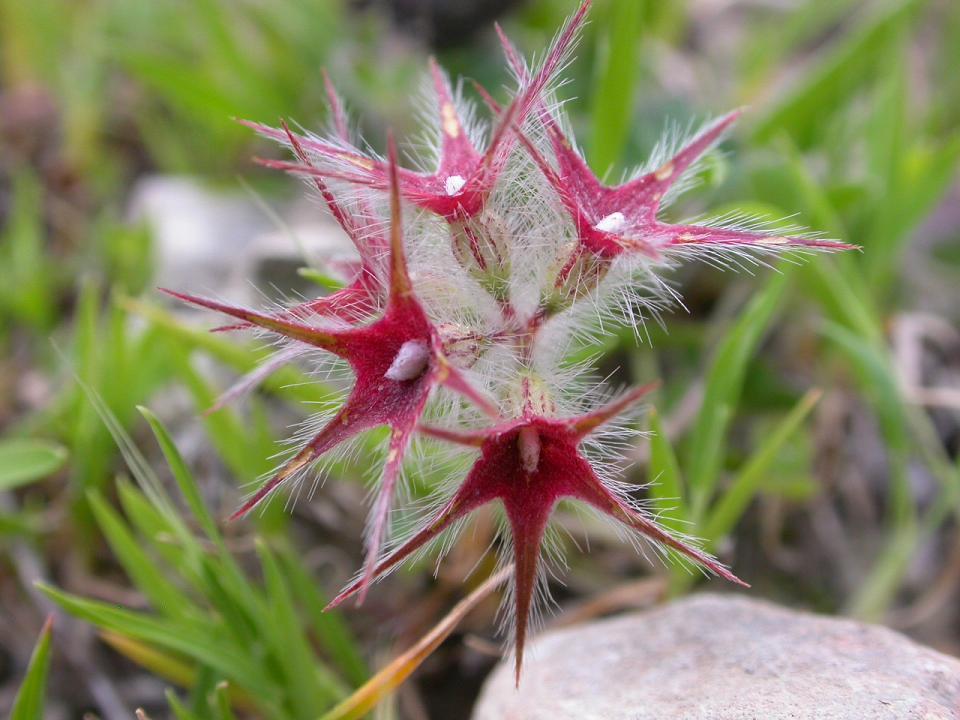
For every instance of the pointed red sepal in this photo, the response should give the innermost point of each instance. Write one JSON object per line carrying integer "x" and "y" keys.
{"x": 252, "y": 379}
{"x": 353, "y": 418}
{"x": 353, "y": 303}
{"x": 457, "y": 152}
{"x": 457, "y": 437}
{"x": 465, "y": 176}
{"x": 699, "y": 238}
{"x": 338, "y": 115}
{"x": 346, "y": 162}
{"x": 529, "y": 464}
{"x": 401, "y": 288}
{"x": 330, "y": 340}
{"x": 643, "y": 196}
{"x": 361, "y": 228}
{"x": 397, "y": 361}
{"x": 583, "y": 425}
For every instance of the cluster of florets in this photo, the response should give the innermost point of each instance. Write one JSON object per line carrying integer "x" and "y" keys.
{"x": 476, "y": 276}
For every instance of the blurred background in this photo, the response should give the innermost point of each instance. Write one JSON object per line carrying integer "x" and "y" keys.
{"x": 812, "y": 416}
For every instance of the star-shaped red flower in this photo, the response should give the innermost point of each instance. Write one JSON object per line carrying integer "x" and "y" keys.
{"x": 528, "y": 465}
{"x": 613, "y": 220}
{"x": 398, "y": 360}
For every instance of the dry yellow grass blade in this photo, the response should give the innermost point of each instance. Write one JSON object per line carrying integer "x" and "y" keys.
{"x": 387, "y": 680}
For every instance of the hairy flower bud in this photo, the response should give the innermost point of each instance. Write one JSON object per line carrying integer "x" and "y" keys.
{"x": 480, "y": 245}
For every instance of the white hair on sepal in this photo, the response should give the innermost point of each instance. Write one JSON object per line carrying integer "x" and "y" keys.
{"x": 449, "y": 409}
{"x": 640, "y": 293}
{"x": 332, "y": 162}
{"x": 447, "y": 291}
{"x": 426, "y": 146}
{"x": 438, "y": 546}
{"x": 642, "y": 544}
{"x": 539, "y": 231}
{"x": 440, "y": 465}
{"x": 366, "y": 208}
{"x": 632, "y": 293}
{"x": 450, "y": 296}
{"x": 610, "y": 444}
{"x": 313, "y": 474}
{"x": 529, "y": 68}
{"x": 250, "y": 381}
{"x": 407, "y": 519}
{"x": 673, "y": 139}
{"x": 555, "y": 343}
{"x": 496, "y": 369}
{"x": 749, "y": 255}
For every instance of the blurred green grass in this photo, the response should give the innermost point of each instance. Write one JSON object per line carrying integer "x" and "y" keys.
{"x": 853, "y": 124}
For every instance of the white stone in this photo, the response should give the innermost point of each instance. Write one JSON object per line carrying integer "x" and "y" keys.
{"x": 725, "y": 657}
{"x": 216, "y": 242}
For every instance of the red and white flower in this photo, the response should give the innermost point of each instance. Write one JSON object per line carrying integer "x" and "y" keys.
{"x": 508, "y": 247}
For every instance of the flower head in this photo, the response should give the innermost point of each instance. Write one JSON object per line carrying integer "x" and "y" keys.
{"x": 510, "y": 250}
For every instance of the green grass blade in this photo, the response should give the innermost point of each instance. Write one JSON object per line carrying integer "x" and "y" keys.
{"x": 737, "y": 496}
{"x": 28, "y": 704}
{"x": 221, "y": 700}
{"x": 180, "y": 711}
{"x": 329, "y": 627}
{"x": 23, "y": 461}
{"x": 196, "y": 639}
{"x": 165, "y": 597}
{"x": 178, "y": 550}
{"x": 663, "y": 475}
{"x": 927, "y": 175}
{"x": 617, "y": 47}
{"x": 184, "y": 478}
{"x": 310, "y": 685}
{"x": 833, "y": 81}
{"x": 722, "y": 391}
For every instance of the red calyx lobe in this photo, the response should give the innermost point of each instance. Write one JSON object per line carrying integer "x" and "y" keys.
{"x": 380, "y": 395}
{"x": 612, "y": 220}
{"x": 529, "y": 465}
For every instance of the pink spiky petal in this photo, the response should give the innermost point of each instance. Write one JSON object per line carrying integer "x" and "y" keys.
{"x": 361, "y": 298}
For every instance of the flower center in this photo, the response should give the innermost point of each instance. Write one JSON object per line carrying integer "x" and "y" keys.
{"x": 529, "y": 444}
{"x": 454, "y": 184}
{"x": 410, "y": 362}
{"x": 612, "y": 223}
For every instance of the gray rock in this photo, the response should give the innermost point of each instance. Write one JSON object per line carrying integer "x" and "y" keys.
{"x": 712, "y": 657}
